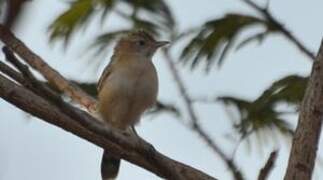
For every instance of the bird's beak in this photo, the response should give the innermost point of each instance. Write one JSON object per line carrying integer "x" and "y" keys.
{"x": 159, "y": 44}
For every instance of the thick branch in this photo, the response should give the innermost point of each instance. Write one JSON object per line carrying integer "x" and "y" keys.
{"x": 307, "y": 134}
{"x": 61, "y": 114}
{"x": 85, "y": 126}
{"x": 195, "y": 125}
{"x": 49, "y": 73}
{"x": 265, "y": 171}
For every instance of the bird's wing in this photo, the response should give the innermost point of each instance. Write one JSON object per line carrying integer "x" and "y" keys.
{"x": 107, "y": 71}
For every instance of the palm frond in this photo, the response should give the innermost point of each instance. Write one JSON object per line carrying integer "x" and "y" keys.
{"x": 77, "y": 15}
{"x": 262, "y": 113}
{"x": 217, "y": 37}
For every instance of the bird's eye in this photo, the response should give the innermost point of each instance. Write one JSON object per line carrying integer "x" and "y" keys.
{"x": 141, "y": 42}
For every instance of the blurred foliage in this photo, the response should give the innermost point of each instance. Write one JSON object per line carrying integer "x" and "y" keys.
{"x": 153, "y": 16}
{"x": 262, "y": 113}
{"x": 89, "y": 88}
{"x": 81, "y": 12}
{"x": 162, "y": 107}
{"x": 216, "y": 38}
{"x": 209, "y": 43}
{"x": 76, "y": 16}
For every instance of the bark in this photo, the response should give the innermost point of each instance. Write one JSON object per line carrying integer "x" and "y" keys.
{"x": 54, "y": 78}
{"x": 122, "y": 145}
{"x": 43, "y": 103}
{"x": 266, "y": 170}
{"x": 305, "y": 141}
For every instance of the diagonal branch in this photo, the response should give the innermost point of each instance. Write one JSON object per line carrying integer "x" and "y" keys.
{"x": 281, "y": 28}
{"x": 307, "y": 134}
{"x": 266, "y": 170}
{"x": 49, "y": 73}
{"x": 41, "y": 102}
{"x": 195, "y": 125}
{"x": 15, "y": 75}
{"x": 83, "y": 125}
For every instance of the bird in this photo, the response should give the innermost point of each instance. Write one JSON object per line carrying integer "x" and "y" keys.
{"x": 127, "y": 87}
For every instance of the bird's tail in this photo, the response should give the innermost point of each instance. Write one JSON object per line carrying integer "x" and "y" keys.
{"x": 109, "y": 166}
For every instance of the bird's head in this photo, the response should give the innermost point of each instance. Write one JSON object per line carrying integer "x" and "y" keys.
{"x": 139, "y": 43}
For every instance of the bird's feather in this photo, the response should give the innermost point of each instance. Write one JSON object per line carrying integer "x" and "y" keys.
{"x": 106, "y": 72}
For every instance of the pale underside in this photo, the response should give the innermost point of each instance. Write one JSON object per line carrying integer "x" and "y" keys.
{"x": 127, "y": 91}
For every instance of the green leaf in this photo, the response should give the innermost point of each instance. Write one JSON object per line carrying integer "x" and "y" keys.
{"x": 289, "y": 89}
{"x": 162, "y": 107}
{"x": 147, "y": 25}
{"x": 157, "y": 8}
{"x": 218, "y": 36}
{"x": 81, "y": 12}
{"x": 255, "y": 116}
{"x": 262, "y": 113}
{"x": 77, "y": 15}
{"x": 88, "y": 87}
{"x": 104, "y": 41}
{"x": 256, "y": 37}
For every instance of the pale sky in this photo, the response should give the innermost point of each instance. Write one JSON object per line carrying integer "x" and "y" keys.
{"x": 31, "y": 149}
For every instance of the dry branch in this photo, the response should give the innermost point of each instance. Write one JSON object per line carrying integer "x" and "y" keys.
{"x": 85, "y": 126}
{"x": 49, "y": 73}
{"x": 265, "y": 171}
{"x": 307, "y": 134}
{"x": 57, "y": 112}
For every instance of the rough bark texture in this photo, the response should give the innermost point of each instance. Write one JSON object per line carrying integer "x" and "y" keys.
{"x": 42, "y": 103}
{"x": 83, "y": 125}
{"x": 307, "y": 135}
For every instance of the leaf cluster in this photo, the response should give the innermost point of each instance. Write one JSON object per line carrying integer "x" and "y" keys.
{"x": 209, "y": 43}
{"x": 214, "y": 40}
{"x": 80, "y": 12}
{"x": 262, "y": 113}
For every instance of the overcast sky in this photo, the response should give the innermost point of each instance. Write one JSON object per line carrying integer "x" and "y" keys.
{"x": 30, "y": 149}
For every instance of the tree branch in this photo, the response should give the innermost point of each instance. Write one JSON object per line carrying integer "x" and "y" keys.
{"x": 85, "y": 126}
{"x": 307, "y": 134}
{"x": 15, "y": 75}
{"x": 195, "y": 125}
{"x": 49, "y": 73}
{"x": 266, "y": 170}
{"x": 281, "y": 28}
{"x": 76, "y": 121}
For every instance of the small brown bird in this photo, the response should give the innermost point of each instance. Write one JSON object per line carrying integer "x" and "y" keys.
{"x": 127, "y": 87}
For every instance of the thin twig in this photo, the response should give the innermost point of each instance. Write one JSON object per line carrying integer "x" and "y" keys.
{"x": 281, "y": 28}
{"x": 266, "y": 170}
{"x": 195, "y": 125}
{"x": 10, "y": 72}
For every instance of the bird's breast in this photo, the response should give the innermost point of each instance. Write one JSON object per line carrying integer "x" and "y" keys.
{"x": 127, "y": 92}
{"x": 137, "y": 82}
